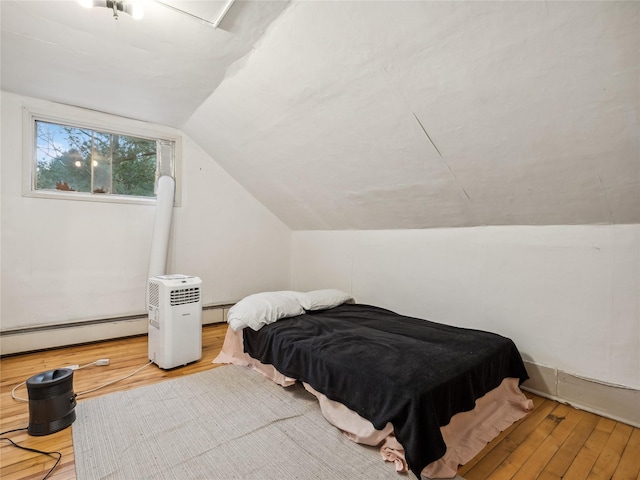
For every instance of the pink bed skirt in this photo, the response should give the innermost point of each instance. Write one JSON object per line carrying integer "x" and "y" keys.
{"x": 465, "y": 436}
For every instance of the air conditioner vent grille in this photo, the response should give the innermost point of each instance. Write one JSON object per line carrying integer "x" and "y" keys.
{"x": 185, "y": 295}
{"x": 154, "y": 295}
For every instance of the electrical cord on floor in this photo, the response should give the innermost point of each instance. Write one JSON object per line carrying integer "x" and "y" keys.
{"x": 50, "y": 454}
{"x": 116, "y": 380}
{"x": 100, "y": 361}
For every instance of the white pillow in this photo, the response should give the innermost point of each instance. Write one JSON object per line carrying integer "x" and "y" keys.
{"x": 323, "y": 299}
{"x": 260, "y": 309}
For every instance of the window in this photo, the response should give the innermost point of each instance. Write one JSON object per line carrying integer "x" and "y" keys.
{"x": 72, "y": 159}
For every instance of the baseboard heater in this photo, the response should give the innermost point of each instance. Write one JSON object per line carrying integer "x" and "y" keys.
{"x": 89, "y": 323}
{"x": 45, "y": 337}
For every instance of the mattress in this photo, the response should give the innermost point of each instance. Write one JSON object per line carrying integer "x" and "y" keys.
{"x": 406, "y": 381}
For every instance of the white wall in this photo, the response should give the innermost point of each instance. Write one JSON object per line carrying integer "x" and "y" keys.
{"x": 567, "y": 295}
{"x": 66, "y": 261}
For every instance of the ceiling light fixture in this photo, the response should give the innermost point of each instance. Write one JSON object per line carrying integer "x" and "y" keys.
{"x": 132, "y": 8}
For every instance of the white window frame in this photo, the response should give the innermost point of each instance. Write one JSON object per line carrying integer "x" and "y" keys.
{"x": 99, "y": 121}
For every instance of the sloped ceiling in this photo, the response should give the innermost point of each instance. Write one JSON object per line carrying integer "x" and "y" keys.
{"x": 381, "y": 114}
{"x": 158, "y": 69}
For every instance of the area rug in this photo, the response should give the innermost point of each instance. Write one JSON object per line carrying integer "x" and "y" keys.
{"x": 226, "y": 423}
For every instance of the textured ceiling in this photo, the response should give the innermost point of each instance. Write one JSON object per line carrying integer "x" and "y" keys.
{"x": 157, "y": 69}
{"x": 367, "y": 115}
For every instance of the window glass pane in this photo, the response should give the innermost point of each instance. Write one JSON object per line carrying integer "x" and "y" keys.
{"x": 84, "y": 160}
{"x": 62, "y": 162}
{"x": 134, "y": 166}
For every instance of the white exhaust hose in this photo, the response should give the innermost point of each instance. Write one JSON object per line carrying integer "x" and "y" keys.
{"x": 162, "y": 227}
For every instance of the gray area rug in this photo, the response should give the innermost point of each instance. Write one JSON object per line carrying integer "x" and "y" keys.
{"x": 226, "y": 423}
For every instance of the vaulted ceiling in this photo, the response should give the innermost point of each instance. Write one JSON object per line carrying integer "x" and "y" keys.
{"x": 367, "y": 115}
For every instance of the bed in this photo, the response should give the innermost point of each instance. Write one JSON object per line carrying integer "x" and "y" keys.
{"x": 429, "y": 395}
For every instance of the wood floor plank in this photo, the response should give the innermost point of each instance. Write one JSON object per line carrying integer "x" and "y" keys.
{"x": 610, "y": 455}
{"x": 566, "y": 453}
{"x": 526, "y": 449}
{"x": 586, "y": 458}
{"x": 566, "y": 418}
{"x": 629, "y": 464}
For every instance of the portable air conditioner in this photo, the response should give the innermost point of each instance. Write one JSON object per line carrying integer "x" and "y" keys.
{"x": 175, "y": 320}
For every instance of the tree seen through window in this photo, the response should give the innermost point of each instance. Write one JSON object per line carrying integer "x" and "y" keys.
{"x": 77, "y": 159}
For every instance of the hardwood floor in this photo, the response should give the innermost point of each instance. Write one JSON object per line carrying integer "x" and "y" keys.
{"x": 554, "y": 441}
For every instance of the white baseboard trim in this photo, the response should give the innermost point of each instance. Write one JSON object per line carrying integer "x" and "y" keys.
{"x": 612, "y": 401}
{"x": 29, "y": 340}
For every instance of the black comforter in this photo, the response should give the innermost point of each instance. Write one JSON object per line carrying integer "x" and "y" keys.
{"x": 413, "y": 373}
